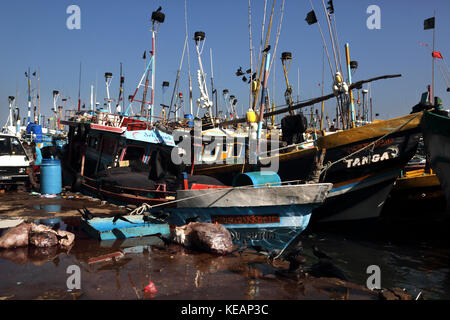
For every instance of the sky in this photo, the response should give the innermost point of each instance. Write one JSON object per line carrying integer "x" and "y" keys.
{"x": 34, "y": 35}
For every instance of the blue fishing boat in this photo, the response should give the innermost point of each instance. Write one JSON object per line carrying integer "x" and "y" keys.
{"x": 269, "y": 214}
{"x": 107, "y": 229}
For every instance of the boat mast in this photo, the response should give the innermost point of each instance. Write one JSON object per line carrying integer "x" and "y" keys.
{"x": 157, "y": 18}
{"x": 108, "y": 80}
{"x": 203, "y": 102}
{"x": 10, "y": 100}
{"x": 39, "y": 97}
{"x": 28, "y": 75}
{"x": 175, "y": 87}
{"x": 79, "y": 91}
{"x": 191, "y": 108}
{"x": 434, "y": 36}
{"x": 263, "y": 62}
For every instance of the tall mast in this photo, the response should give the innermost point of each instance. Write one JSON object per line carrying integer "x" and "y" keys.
{"x": 263, "y": 62}
{"x": 39, "y": 97}
{"x": 29, "y": 95}
{"x": 79, "y": 90}
{"x": 157, "y": 18}
{"x": 434, "y": 35}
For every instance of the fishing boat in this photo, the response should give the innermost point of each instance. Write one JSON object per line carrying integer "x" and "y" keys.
{"x": 436, "y": 135}
{"x": 108, "y": 155}
{"x": 362, "y": 163}
{"x": 258, "y": 210}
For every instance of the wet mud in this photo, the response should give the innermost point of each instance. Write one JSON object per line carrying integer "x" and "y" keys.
{"x": 122, "y": 269}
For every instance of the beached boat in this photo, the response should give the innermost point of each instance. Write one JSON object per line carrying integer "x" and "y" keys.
{"x": 270, "y": 214}
{"x": 436, "y": 135}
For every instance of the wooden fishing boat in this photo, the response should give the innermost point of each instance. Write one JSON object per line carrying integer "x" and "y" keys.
{"x": 111, "y": 160}
{"x": 270, "y": 215}
{"x": 415, "y": 192}
{"x": 362, "y": 164}
{"x": 436, "y": 135}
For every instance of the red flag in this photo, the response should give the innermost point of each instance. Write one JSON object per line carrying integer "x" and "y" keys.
{"x": 436, "y": 54}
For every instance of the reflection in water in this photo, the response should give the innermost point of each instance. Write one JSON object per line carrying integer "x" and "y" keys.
{"x": 181, "y": 274}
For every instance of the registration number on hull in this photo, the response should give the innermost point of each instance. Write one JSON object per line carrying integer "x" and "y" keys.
{"x": 252, "y": 235}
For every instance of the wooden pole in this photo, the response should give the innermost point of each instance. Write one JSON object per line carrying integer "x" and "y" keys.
{"x": 263, "y": 62}
{"x": 352, "y": 106}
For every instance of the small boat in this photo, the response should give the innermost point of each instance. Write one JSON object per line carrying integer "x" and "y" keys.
{"x": 436, "y": 135}
{"x": 415, "y": 192}
{"x": 269, "y": 214}
{"x": 107, "y": 229}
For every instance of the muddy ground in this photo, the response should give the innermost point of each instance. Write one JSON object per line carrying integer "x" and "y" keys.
{"x": 178, "y": 273}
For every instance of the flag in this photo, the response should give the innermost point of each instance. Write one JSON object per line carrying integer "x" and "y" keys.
{"x": 436, "y": 54}
{"x": 311, "y": 17}
{"x": 330, "y": 7}
{"x": 428, "y": 24}
{"x": 145, "y": 55}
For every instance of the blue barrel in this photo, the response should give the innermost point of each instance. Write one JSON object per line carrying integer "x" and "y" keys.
{"x": 51, "y": 182}
{"x": 257, "y": 179}
{"x": 191, "y": 118}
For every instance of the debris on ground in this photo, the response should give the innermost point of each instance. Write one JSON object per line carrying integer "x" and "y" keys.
{"x": 39, "y": 236}
{"x": 16, "y": 237}
{"x": 214, "y": 238}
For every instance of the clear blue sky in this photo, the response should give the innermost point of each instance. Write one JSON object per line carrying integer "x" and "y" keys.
{"x": 34, "y": 34}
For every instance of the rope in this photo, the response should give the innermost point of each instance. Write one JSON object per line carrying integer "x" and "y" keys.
{"x": 146, "y": 207}
{"x": 372, "y": 144}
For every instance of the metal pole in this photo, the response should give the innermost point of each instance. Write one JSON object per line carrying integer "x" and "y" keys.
{"x": 434, "y": 34}
{"x": 352, "y": 107}
{"x": 29, "y": 96}
{"x": 153, "y": 75}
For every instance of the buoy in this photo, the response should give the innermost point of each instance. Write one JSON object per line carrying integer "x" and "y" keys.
{"x": 251, "y": 116}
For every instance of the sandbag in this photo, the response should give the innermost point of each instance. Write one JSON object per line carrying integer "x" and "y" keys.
{"x": 16, "y": 237}
{"x": 65, "y": 238}
{"x": 44, "y": 239}
{"x": 209, "y": 237}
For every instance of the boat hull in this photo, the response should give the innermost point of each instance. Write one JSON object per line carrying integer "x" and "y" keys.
{"x": 364, "y": 177}
{"x": 106, "y": 229}
{"x": 436, "y": 136}
{"x": 271, "y": 217}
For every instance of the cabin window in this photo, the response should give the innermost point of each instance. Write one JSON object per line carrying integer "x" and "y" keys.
{"x": 134, "y": 153}
{"x": 11, "y": 146}
{"x": 108, "y": 145}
